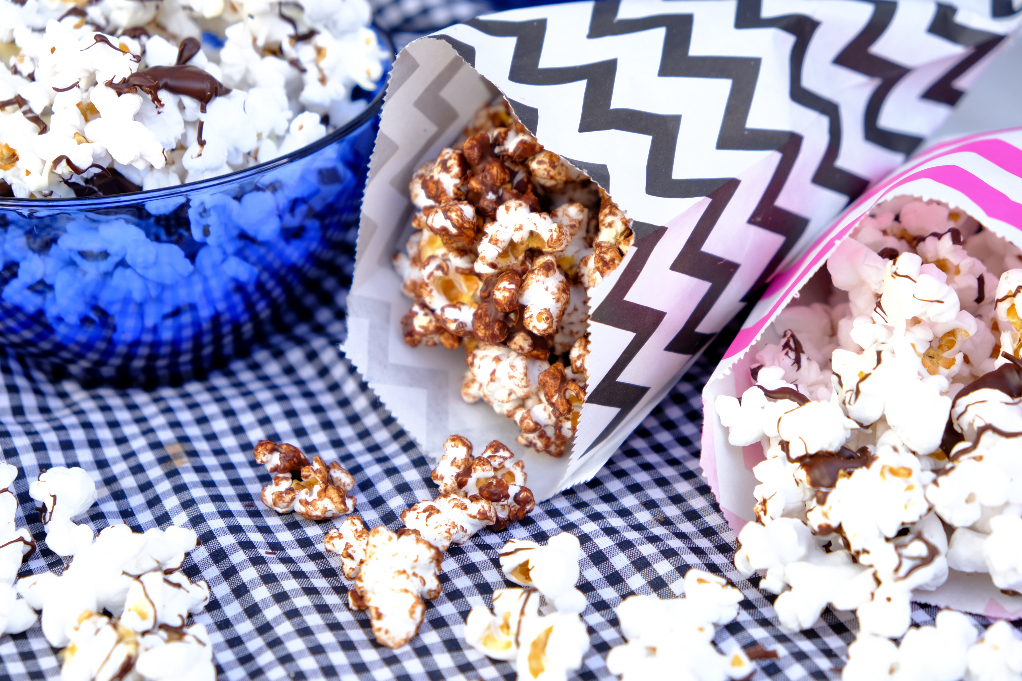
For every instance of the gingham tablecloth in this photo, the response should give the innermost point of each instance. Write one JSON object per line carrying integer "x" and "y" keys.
{"x": 278, "y": 608}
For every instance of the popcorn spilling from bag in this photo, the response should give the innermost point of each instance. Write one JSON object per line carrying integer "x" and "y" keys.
{"x": 394, "y": 573}
{"x": 889, "y": 415}
{"x": 112, "y": 97}
{"x": 135, "y": 579}
{"x": 508, "y": 242}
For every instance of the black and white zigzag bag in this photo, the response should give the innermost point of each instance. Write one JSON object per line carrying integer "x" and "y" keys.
{"x": 731, "y": 132}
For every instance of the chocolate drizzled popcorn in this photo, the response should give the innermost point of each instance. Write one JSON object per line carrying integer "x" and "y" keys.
{"x": 890, "y": 420}
{"x": 129, "y": 91}
{"x": 508, "y": 241}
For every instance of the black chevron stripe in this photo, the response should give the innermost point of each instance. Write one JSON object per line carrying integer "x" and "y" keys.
{"x": 944, "y": 25}
{"x": 802, "y": 28}
{"x": 1003, "y": 8}
{"x": 857, "y": 57}
{"x": 640, "y": 320}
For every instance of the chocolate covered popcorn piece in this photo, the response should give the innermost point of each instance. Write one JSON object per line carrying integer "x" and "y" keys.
{"x": 156, "y": 599}
{"x": 552, "y": 569}
{"x": 449, "y": 519}
{"x": 397, "y": 573}
{"x": 349, "y": 541}
{"x": 887, "y": 418}
{"x": 494, "y": 476}
{"x": 314, "y": 491}
{"x": 98, "y": 648}
{"x": 509, "y": 239}
{"x": 133, "y": 99}
{"x": 673, "y": 638}
{"x": 65, "y": 493}
{"x": 176, "y": 654}
{"x": 497, "y": 634}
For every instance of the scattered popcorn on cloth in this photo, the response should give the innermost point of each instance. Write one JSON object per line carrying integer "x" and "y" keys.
{"x": 507, "y": 243}
{"x": 544, "y": 647}
{"x": 673, "y": 638}
{"x": 888, "y": 410}
{"x": 314, "y": 491}
{"x": 120, "y": 608}
{"x": 15, "y": 545}
{"x": 476, "y": 492}
{"x": 953, "y": 649}
{"x": 109, "y": 97}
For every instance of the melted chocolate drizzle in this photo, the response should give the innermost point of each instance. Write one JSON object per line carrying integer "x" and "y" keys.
{"x": 188, "y": 48}
{"x": 190, "y": 81}
{"x": 981, "y": 283}
{"x": 794, "y": 346}
{"x": 100, "y": 38}
{"x": 956, "y": 237}
{"x": 136, "y": 32}
{"x": 785, "y": 393}
{"x": 1005, "y": 379}
{"x": 889, "y": 253}
{"x": 72, "y": 86}
{"x": 26, "y": 111}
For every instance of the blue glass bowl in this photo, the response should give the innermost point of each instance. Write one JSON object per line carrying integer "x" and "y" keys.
{"x": 161, "y": 286}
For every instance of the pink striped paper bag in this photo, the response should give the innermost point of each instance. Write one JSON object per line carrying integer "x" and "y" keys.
{"x": 980, "y": 175}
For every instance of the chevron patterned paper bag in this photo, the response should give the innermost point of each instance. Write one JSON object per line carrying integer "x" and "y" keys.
{"x": 730, "y": 132}
{"x": 980, "y": 175}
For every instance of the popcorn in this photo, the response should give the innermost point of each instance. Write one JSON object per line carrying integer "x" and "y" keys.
{"x": 64, "y": 493}
{"x": 396, "y": 575}
{"x": 931, "y": 653}
{"x": 494, "y": 475}
{"x": 997, "y": 655}
{"x": 509, "y": 239}
{"x": 156, "y": 599}
{"x": 550, "y": 647}
{"x": 449, "y": 519}
{"x": 349, "y": 541}
{"x": 176, "y": 653}
{"x": 552, "y": 569}
{"x": 98, "y": 648}
{"x": 102, "y": 575}
{"x": 314, "y": 491}
{"x": 497, "y": 634}
{"x": 162, "y": 108}
{"x": 673, "y": 638}
{"x": 887, "y": 420}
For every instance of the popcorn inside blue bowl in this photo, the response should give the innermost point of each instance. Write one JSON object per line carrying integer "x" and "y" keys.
{"x": 114, "y": 97}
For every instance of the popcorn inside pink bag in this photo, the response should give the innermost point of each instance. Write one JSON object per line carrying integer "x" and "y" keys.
{"x": 886, "y": 401}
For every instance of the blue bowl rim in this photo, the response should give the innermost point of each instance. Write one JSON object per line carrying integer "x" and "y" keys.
{"x": 145, "y": 196}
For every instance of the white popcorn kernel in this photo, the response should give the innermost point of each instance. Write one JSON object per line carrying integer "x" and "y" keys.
{"x": 1001, "y": 552}
{"x": 501, "y": 377}
{"x": 711, "y": 596}
{"x": 814, "y": 427}
{"x": 673, "y": 638}
{"x": 65, "y": 493}
{"x": 551, "y": 646}
{"x": 16, "y": 615}
{"x": 997, "y": 656}
{"x": 98, "y": 648}
{"x": 497, "y": 634}
{"x": 553, "y": 569}
{"x": 173, "y": 655}
{"x": 155, "y": 598}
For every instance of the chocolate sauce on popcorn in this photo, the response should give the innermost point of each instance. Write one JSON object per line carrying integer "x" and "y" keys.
{"x": 26, "y": 111}
{"x": 785, "y": 393}
{"x": 188, "y": 48}
{"x": 189, "y": 81}
{"x": 1005, "y": 379}
{"x": 100, "y": 38}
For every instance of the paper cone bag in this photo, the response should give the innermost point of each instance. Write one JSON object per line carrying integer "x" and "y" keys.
{"x": 731, "y": 133}
{"x": 980, "y": 175}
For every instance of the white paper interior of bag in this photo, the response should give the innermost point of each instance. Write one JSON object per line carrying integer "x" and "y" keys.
{"x": 437, "y": 97}
{"x": 728, "y": 468}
